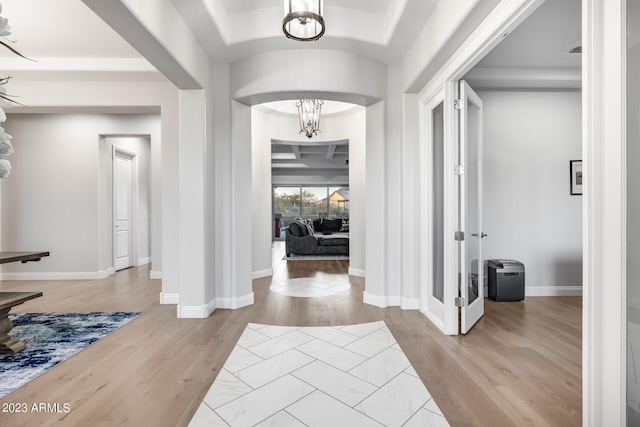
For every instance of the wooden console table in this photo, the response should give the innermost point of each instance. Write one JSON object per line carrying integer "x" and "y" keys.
{"x": 8, "y": 300}
{"x": 23, "y": 257}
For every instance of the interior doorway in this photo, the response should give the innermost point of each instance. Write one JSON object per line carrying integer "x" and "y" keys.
{"x": 125, "y": 201}
{"x": 322, "y": 177}
{"x": 527, "y": 184}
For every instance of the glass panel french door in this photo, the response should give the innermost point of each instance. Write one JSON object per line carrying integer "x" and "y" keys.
{"x": 471, "y": 277}
{"x": 437, "y": 191}
{"x": 633, "y": 212}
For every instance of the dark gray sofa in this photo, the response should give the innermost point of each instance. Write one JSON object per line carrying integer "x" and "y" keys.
{"x": 323, "y": 237}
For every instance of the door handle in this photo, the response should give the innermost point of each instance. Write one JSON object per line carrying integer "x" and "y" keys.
{"x": 482, "y": 235}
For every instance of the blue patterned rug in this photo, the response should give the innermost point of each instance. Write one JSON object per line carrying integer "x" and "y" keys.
{"x": 52, "y": 338}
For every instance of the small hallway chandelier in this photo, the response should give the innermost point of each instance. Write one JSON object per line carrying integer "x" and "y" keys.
{"x": 309, "y": 115}
{"x": 303, "y": 19}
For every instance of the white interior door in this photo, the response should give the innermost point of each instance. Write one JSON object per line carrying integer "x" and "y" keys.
{"x": 122, "y": 185}
{"x": 471, "y": 277}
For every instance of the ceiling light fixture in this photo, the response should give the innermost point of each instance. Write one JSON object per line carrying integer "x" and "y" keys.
{"x": 303, "y": 19}
{"x": 309, "y": 115}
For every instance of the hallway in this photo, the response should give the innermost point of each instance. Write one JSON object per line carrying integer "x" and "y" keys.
{"x": 520, "y": 365}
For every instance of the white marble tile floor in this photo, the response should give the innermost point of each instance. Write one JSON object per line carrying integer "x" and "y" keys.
{"x": 353, "y": 375}
{"x": 308, "y": 287}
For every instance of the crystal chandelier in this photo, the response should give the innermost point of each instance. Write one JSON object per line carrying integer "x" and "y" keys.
{"x": 303, "y": 19}
{"x": 309, "y": 115}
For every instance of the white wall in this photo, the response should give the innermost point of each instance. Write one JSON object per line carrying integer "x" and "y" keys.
{"x": 51, "y": 201}
{"x": 529, "y": 215}
{"x": 341, "y": 76}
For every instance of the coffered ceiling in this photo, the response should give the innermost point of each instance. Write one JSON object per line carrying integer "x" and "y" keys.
{"x": 309, "y": 155}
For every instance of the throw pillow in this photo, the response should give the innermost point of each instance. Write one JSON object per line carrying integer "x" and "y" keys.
{"x": 345, "y": 225}
{"x": 306, "y": 222}
{"x": 333, "y": 224}
{"x": 295, "y": 229}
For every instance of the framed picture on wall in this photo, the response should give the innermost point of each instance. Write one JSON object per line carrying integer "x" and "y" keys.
{"x": 575, "y": 169}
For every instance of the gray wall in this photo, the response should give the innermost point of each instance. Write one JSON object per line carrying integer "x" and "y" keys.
{"x": 529, "y": 215}
{"x": 52, "y": 200}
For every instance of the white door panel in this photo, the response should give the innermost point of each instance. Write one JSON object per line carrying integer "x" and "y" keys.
{"x": 471, "y": 286}
{"x": 122, "y": 176}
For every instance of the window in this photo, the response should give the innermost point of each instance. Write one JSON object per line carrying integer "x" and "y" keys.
{"x": 310, "y": 202}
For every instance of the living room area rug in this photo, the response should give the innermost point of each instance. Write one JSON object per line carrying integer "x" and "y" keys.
{"x": 52, "y": 338}
{"x": 354, "y": 375}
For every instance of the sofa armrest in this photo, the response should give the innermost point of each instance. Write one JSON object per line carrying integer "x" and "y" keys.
{"x": 305, "y": 245}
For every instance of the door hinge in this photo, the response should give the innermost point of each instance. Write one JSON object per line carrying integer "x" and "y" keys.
{"x": 458, "y": 236}
{"x": 459, "y": 302}
{"x": 458, "y": 104}
{"x": 459, "y": 170}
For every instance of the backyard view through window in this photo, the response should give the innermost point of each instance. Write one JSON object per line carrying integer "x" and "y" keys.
{"x": 309, "y": 202}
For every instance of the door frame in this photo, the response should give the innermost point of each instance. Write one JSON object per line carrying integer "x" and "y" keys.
{"x": 500, "y": 22}
{"x": 135, "y": 203}
{"x": 604, "y": 203}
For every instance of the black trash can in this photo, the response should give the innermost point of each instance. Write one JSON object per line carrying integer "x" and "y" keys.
{"x": 506, "y": 280}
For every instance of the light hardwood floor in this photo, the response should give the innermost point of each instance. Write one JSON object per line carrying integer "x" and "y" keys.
{"x": 520, "y": 365}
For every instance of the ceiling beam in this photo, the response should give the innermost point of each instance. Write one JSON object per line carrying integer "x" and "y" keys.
{"x": 331, "y": 151}
{"x": 296, "y": 151}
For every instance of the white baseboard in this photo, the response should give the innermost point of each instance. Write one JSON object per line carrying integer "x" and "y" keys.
{"x": 356, "y": 272}
{"x": 391, "y": 301}
{"x": 103, "y": 274}
{"x": 235, "y": 302}
{"x": 262, "y": 273}
{"x": 552, "y": 291}
{"x": 86, "y": 275}
{"x": 433, "y": 319}
{"x": 410, "y": 303}
{"x": 185, "y": 311}
{"x": 195, "y": 311}
{"x": 166, "y": 298}
{"x": 143, "y": 261}
{"x": 155, "y": 275}
{"x": 380, "y": 300}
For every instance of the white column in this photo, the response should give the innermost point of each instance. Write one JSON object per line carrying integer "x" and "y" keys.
{"x": 604, "y": 168}
{"x": 376, "y": 221}
{"x": 192, "y": 253}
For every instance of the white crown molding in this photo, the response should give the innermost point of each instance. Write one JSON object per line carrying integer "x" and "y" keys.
{"x": 524, "y": 78}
